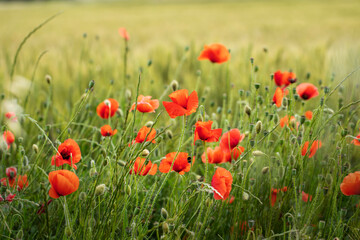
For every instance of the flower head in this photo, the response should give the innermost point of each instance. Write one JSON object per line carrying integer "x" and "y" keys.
{"x": 145, "y": 134}
{"x": 124, "y": 34}
{"x": 213, "y": 155}
{"x": 9, "y": 138}
{"x": 278, "y": 97}
{"x": 106, "y": 131}
{"x": 141, "y": 169}
{"x": 215, "y": 53}
{"x": 229, "y": 144}
{"x": 107, "y": 108}
{"x": 11, "y": 116}
{"x": 273, "y": 196}
{"x": 181, "y": 164}
{"x": 63, "y": 182}
{"x": 11, "y": 172}
{"x": 203, "y": 132}
{"x": 309, "y": 115}
{"x": 68, "y": 153}
{"x": 145, "y": 104}
{"x": 284, "y": 79}
{"x": 314, "y": 147}
{"x": 307, "y": 91}
{"x": 356, "y": 141}
{"x": 351, "y": 184}
{"x": 221, "y": 182}
{"x": 182, "y": 103}
{"x": 306, "y": 197}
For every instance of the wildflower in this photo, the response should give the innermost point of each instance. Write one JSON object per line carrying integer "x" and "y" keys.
{"x": 314, "y": 147}
{"x": 216, "y": 53}
{"x": 307, "y": 91}
{"x": 141, "y": 169}
{"x": 273, "y": 196}
{"x": 145, "y": 104}
{"x": 9, "y": 138}
{"x": 285, "y": 121}
{"x": 181, "y": 164}
{"x": 145, "y": 134}
{"x": 63, "y": 182}
{"x": 284, "y": 79}
{"x": 182, "y": 103}
{"x": 124, "y": 34}
{"x": 11, "y": 116}
{"x": 356, "y": 141}
{"x": 306, "y": 197}
{"x": 10, "y": 197}
{"x": 351, "y": 184}
{"x": 203, "y": 132}
{"x": 213, "y": 156}
{"x": 284, "y": 189}
{"x": 309, "y": 115}
{"x": 229, "y": 142}
{"x": 278, "y": 97}
{"x": 22, "y": 182}
{"x": 107, "y": 108}
{"x": 106, "y": 131}
{"x": 68, "y": 153}
{"x": 221, "y": 182}
{"x": 11, "y": 172}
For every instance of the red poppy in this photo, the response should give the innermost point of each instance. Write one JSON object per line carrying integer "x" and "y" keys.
{"x": 9, "y": 138}
{"x": 181, "y": 164}
{"x": 273, "y": 196}
{"x": 356, "y": 141}
{"x": 314, "y": 147}
{"x": 203, "y": 132}
{"x": 106, "y": 131}
{"x": 214, "y": 156}
{"x": 278, "y": 97}
{"x": 306, "y": 197}
{"x": 11, "y": 172}
{"x": 221, "y": 182}
{"x": 309, "y": 115}
{"x": 234, "y": 154}
{"x": 285, "y": 121}
{"x": 5, "y": 180}
{"x": 351, "y": 184}
{"x": 22, "y": 182}
{"x": 284, "y": 189}
{"x": 107, "y": 108}
{"x": 182, "y": 103}
{"x": 63, "y": 182}
{"x": 284, "y": 79}
{"x": 11, "y": 116}
{"x": 141, "y": 169}
{"x": 231, "y": 139}
{"x": 68, "y": 153}
{"x": 145, "y": 132}
{"x": 307, "y": 91}
{"x": 216, "y": 53}
{"x": 145, "y": 104}
{"x": 10, "y": 197}
{"x": 124, "y": 34}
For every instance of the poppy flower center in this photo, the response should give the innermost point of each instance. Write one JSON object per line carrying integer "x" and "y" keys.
{"x": 305, "y": 96}
{"x": 65, "y": 154}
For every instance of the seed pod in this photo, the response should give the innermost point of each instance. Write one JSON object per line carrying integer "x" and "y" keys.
{"x": 257, "y": 85}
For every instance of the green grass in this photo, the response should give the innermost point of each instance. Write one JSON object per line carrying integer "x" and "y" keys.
{"x": 318, "y": 40}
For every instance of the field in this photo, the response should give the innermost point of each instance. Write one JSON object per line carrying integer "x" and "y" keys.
{"x": 281, "y": 160}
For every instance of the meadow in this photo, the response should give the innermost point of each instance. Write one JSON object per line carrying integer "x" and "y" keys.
{"x": 86, "y": 155}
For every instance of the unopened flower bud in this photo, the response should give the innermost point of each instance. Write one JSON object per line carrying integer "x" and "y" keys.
{"x": 100, "y": 189}
{"x": 258, "y": 153}
{"x": 165, "y": 227}
{"x": 128, "y": 190}
{"x": 258, "y": 127}
{"x": 149, "y": 123}
{"x": 265, "y": 170}
{"x": 121, "y": 163}
{"x": 91, "y": 84}
{"x": 169, "y": 134}
{"x": 174, "y": 85}
{"x": 128, "y": 95}
{"x": 245, "y": 196}
{"x": 92, "y": 172}
{"x": 48, "y": 78}
{"x": 145, "y": 153}
{"x": 164, "y": 213}
{"x": 247, "y": 110}
{"x": 82, "y": 196}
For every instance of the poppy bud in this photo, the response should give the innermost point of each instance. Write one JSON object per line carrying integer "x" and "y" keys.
{"x": 252, "y": 143}
{"x": 322, "y": 101}
{"x": 245, "y": 196}
{"x": 174, "y": 85}
{"x": 165, "y": 227}
{"x": 82, "y": 196}
{"x": 218, "y": 110}
{"x": 265, "y": 170}
{"x": 328, "y": 111}
{"x": 169, "y": 134}
{"x": 145, "y": 153}
{"x": 91, "y": 84}
{"x": 257, "y": 85}
{"x": 67, "y": 231}
{"x": 128, "y": 190}
{"x": 258, "y": 153}
{"x": 252, "y": 60}
{"x": 241, "y": 92}
{"x": 149, "y": 123}
{"x": 285, "y": 102}
{"x": 302, "y": 119}
{"x": 293, "y": 172}
{"x": 128, "y": 95}
{"x": 149, "y": 63}
{"x": 248, "y": 110}
{"x": 100, "y": 189}
{"x": 164, "y": 213}
{"x": 121, "y": 163}
{"x": 258, "y": 127}
{"x": 92, "y": 172}
{"x": 48, "y": 78}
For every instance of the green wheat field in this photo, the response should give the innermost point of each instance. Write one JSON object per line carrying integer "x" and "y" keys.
{"x": 257, "y": 101}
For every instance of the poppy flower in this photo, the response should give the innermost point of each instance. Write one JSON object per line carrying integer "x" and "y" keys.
{"x": 181, "y": 164}
{"x": 284, "y": 189}
{"x": 203, "y": 132}
{"x": 356, "y": 141}
{"x": 9, "y": 138}
{"x": 124, "y": 34}
{"x": 107, "y": 108}
{"x": 63, "y": 182}
{"x": 306, "y": 197}
{"x": 284, "y": 79}
{"x": 5, "y": 180}
{"x": 68, "y": 153}
{"x": 11, "y": 172}
{"x": 307, "y": 91}
{"x": 106, "y": 131}
{"x": 182, "y": 103}
{"x": 309, "y": 115}
{"x": 145, "y": 104}
{"x": 213, "y": 155}
{"x": 231, "y": 139}
{"x": 11, "y": 116}
{"x": 234, "y": 154}
{"x": 215, "y": 53}
{"x": 10, "y": 197}
{"x": 314, "y": 147}
{"x": 273, "y": 196}
{"x": 351, "y": 184}
{"x": 285, "y": 121}
{"x": 22, "y": 182}
{"x": 278, "y": 97}
{"x": 221, "y": 182}
{"x": 145, "y": 132}
{"x": 141, "y": 169}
